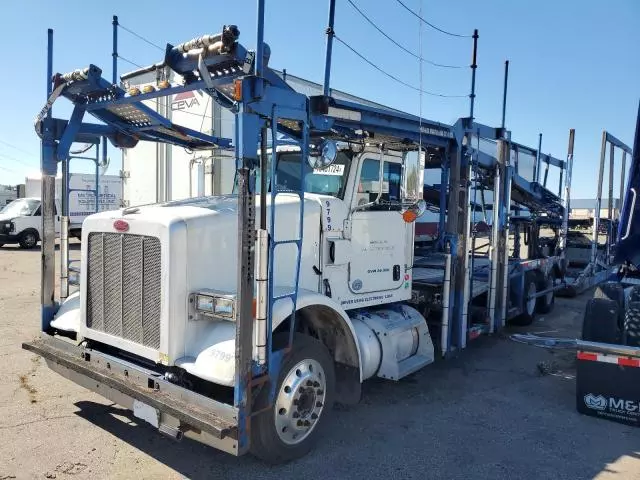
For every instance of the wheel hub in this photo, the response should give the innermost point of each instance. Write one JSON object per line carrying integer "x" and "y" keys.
{"x": 300, "y": 401}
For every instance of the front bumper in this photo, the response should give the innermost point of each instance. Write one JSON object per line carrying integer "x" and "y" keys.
{"x": 174, "y": 410}
{"x": 8, "y": 238}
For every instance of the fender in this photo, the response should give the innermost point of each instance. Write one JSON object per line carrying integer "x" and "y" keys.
{"x": 282, "y": 309}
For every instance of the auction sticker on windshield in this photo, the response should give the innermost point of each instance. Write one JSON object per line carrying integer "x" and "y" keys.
{"x": 335, "y": 169}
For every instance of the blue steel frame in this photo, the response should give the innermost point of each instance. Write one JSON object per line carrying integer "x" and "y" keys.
{"x": 264, "y": 98}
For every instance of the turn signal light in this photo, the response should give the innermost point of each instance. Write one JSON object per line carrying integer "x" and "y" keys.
{"x": 409, "y": 216}
{"x": 237, "y": 90}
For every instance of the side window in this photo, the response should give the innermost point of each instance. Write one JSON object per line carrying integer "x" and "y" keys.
{"x": 392, "y": 179}
{"x": 38, "y": 211}
{"x": 369, "y": 185}
{"x": 369, "y": 182}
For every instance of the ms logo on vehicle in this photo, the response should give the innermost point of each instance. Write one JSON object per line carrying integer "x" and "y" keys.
{"x": 356, "y": 285}
{"x": 595, "y": 402}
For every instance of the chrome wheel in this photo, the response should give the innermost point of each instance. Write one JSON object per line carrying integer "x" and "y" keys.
{"x": 531, "y": 303}
{"x": 300, "y": 401}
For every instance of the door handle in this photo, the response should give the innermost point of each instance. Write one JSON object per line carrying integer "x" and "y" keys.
{"x": 396, "y": 273}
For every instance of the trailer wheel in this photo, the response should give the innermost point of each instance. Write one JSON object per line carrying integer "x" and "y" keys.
{"x": 600, "y": 323}
{"x": 528, "y": 306}
{"x": 612, "y": 291}
{"x": 28, "y": 239}
{"x": 631, "y": 329}
{"x": 302, "y": 406}
{"x": 546, "y": 302}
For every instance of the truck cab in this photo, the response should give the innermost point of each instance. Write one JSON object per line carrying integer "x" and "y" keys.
{"x": 20, "y": 222}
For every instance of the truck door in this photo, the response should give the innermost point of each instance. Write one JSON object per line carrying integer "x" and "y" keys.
{"x": 38, "y": 213}
{"x": 378, "y": 232}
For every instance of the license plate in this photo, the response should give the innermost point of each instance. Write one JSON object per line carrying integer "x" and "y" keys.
{"x": 147, "y": 413}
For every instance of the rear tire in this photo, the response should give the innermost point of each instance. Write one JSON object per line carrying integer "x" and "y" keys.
{"x": 634, "y": 295}
{"x": 612, "y": 291}
{"x": 631, "y": 329}
{"x": 600, "y": 323}
{"x": 528, "y": 306}
{"x": 302, "y": 406}
{"x": 546, "y": 303}
{"x": 28, "y": 239}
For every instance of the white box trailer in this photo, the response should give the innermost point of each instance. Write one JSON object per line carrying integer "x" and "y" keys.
{"x": 20, "y": 221}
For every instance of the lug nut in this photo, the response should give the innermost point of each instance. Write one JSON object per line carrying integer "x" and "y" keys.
{"x": 316, "y": 384}
{"x": 300, "y": 423}
{"x": 314, "y": 416}
{"x": 320, "y": 392}
{"x": 309, "y": 383}
{"x": 307, "y": 423}
{"x": 318, "y": 404}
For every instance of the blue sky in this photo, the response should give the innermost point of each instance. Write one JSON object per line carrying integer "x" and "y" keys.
{"x": 573, "y": 63}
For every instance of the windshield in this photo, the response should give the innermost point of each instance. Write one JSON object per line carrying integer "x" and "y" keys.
{"x": 328, "y": 181}
{"x": 21, "y": 207}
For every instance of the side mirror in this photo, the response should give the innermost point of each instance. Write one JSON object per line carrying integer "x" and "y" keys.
{"x": 413, "y": 177}
{"x": 328, "y": 154}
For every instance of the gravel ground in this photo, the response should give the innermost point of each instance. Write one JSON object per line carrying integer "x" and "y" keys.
{"x": 487, "y": 414}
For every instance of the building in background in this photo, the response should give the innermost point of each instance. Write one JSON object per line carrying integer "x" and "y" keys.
{"x": 585, "y": 208}
{"x": 8, "y": 193}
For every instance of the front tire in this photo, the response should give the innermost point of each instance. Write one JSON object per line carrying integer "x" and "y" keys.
{"x": 302, "y": 406}
{"x": 28, "y": 239}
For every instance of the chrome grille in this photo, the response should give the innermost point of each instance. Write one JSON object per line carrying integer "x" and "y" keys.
{"x": 123, "y": 286}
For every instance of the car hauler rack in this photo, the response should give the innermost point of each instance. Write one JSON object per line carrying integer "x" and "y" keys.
{"x": 589, "y": 256}
{"x": 502, "y": 282}
{"x": 251, "y": 355}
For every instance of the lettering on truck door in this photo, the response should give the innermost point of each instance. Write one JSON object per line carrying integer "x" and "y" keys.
{"x": 377, "y": 229}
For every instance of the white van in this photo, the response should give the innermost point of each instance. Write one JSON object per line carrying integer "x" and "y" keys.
{"x": 21, "y": 222}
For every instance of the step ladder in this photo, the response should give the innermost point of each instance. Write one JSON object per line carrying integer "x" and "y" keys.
{"x": 274, "y": 359}
{"x": 67, "y": 265}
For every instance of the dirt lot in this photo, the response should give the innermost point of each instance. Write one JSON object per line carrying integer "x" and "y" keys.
{"x": 488, "y": 414}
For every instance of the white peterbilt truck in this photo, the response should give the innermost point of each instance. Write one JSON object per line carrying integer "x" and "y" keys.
{"x": 158, "y": 282}
{"x": 171, "y": 316}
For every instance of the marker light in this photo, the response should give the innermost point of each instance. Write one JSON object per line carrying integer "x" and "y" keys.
{"x": 237, "y": 90}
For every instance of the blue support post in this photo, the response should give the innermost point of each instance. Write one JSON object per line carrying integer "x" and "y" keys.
{"x": 114, "y": 53}
{"x": 444, "y": 181}
{"x": 536, "y": 167}
{"x": 327, "y": 61}
{"x": 260, "y": 39}
{"x": 474, "y": 67}
{"x": 504, "y": 93}
{"x": 48, "y": 168}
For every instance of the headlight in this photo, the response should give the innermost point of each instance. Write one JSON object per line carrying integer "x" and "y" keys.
{"x": 6, "y": 227}
{"x": 211, "y": 303}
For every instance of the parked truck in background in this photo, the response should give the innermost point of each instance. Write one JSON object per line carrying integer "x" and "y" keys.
{"x": 20, "y": 220}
